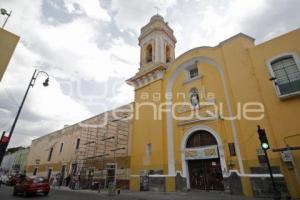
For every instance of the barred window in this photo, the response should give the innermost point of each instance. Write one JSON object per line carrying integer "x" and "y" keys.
{"x": 287, "y": 75}
{"x": 193, "y": 72}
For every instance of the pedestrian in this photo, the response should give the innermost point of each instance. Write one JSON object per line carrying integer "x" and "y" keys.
{"x": 68, "y": 180}
{"x": 54, "y": 182}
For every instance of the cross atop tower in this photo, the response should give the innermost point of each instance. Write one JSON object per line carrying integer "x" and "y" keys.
{"x": 157, "y": 9}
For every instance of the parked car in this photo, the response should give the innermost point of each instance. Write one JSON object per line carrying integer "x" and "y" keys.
{"x": 4, "y": 179}
{"x": 17, "y": 178}
{"x": 32, "y": 185}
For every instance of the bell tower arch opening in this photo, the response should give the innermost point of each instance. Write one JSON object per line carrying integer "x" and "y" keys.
{"x": 148, "y": 52}
{"x": 168, "y": 54}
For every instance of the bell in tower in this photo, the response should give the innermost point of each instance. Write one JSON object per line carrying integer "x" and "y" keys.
{"x": 157, "y": 43}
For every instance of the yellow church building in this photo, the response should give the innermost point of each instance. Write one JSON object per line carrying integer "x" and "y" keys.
{"x": 196, "y": 116}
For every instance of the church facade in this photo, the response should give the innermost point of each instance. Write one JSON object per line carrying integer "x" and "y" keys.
{"x": 196, "y": 116}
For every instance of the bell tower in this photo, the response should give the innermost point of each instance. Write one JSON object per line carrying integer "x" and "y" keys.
{"x": 157, "y": 43}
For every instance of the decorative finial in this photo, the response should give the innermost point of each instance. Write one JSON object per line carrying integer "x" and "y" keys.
{"x": 157, "y": 9}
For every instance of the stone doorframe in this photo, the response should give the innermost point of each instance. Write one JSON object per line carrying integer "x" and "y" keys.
{"x": 185, "y": 170}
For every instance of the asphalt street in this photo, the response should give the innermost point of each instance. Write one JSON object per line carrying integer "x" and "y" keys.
{"x": 66, "y": 194}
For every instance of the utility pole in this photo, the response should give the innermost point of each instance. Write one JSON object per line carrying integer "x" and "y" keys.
{"x": 31, "y": 84}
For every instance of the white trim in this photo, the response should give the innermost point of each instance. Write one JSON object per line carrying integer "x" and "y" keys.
{"x": 183, "y": 148}
{"x": 152, "y": 175}
{"x": 192, "y": 79}
{"x": 252, "y": 175}
{"x": 269, "y": 61}
{"x": 225, "y": 175}
{"x": 147, "y": 79}
{"x": 170, "y": 83}
{"x": 212, "y": 118}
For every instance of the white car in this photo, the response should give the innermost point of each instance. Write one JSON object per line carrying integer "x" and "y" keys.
{"x": 4, "y": 179}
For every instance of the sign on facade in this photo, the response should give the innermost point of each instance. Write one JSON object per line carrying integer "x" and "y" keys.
{"x": 260, "y": 152}
{"x": 286, "y": 156}
{"x": 202, "y": 153}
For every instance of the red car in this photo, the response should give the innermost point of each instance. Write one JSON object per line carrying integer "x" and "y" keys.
{"x": 17, "y": 178}
{"x": 32, "y": 185}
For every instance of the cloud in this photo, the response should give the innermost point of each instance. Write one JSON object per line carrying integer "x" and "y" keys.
{"x": 91, "y": 8}
{"x": 277, "y": 17}
{"x": 134, "y": 14}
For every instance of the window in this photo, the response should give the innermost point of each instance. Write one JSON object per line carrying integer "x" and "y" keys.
{"x": 50, "y": 154}
{"x": 77, "y": 143}
{"x": 148, "y": 150}
{"x": 231, "y": 147}
{"x": 286, "y": 75}
{"x": 61, "y": 147}
{"x": 148, "y": 153}
{"x": 149, "y": 53}
{"x": 35, "y": 171}
{"x": 193, "y": 72}
{"x": 49, "y": 173}
{"x": 168, "y": 54}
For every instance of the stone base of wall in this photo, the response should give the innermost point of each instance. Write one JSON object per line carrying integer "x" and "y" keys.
{"x": 100, "y": 183}
{"x": 157, "y": 184}
{"x": 233, "y": 184}
{"x": 262, "y": 187}
{"x": 180, "y": 183}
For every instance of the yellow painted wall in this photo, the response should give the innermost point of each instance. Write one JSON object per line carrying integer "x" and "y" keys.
{"x": 8, "y": 43}
{"x": 247, "y": 80}
{"x": 87, "y": 131}
{"x": 149, "y": 134}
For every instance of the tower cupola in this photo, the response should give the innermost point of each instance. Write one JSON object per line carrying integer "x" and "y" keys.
{"x": 157, "y": 43}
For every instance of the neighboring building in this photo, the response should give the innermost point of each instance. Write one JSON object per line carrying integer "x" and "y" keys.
{"x": 97, "y": 149}
{"x": 20, "y": 161}
{"x": 7, "y": 163}
{"x": 15, "y": 162}
{"x": 8, "y": 43}
{"x": 181, "y": 141}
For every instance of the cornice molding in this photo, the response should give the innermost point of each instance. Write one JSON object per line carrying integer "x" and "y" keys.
{"x": 143, "y": 78}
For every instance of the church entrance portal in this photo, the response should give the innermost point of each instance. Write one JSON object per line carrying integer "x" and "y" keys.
{"x": 205, "y": 172}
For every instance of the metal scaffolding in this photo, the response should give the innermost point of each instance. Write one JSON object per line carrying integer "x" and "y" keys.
{"x": 103, "y": 157}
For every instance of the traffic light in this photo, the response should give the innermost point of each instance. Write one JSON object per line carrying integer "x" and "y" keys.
{"x": 263, "y": 138}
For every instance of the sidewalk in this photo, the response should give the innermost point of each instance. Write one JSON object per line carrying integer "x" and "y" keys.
{"x": 191, "y": 195}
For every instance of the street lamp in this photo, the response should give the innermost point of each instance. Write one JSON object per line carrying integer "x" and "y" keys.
{"x": 4, "y": 12}
{"x": 36, "y": 72}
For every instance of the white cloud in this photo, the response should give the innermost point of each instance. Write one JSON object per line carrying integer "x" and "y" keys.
{"x": 71, "y": 50}
{"x": 134, "y": 14}
{"x": 91, "y": 8}
{"x": 124, "y": 95}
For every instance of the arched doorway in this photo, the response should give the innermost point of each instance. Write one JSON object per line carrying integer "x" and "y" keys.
{"x": 203, "y": 161}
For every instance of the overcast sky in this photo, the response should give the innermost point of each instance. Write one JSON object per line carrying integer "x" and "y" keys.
{"x": 90, "y": 47}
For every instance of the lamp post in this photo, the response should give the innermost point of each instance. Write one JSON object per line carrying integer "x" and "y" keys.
{"x": 4, "y": 12}
{"x": 36, "y": 72}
